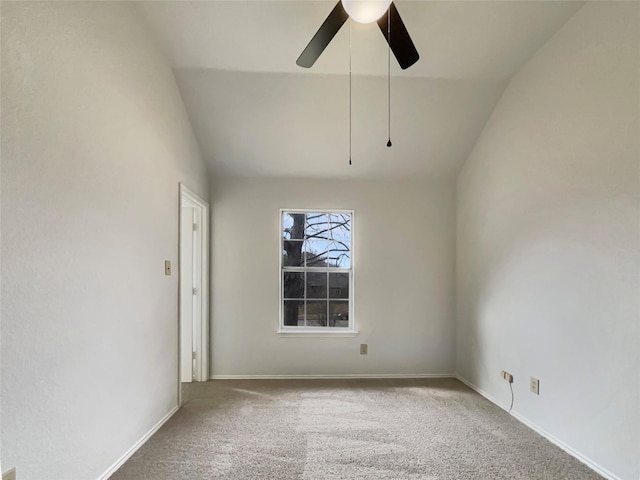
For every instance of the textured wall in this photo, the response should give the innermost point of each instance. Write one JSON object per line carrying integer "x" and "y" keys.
{"x": 404, "y": 247}
{"x": 548, "y": 240}
{"x": 95, "y": 139}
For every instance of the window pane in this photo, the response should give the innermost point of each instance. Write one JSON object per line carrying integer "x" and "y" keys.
{"x": 338, "y": 285}
{"x": 317, "y": 225}
{"x": 293, "y": 313}
{"x": 292, "y": 226}
{"x": 338, "y": 314}
{"x": 317, "y": 313}
{"x": 339, "y": 226}
{"x": 287, "y": 223}
{"x": 292, "y": 254}
{"x": 316, "y": 251}
{"x": 293, "y": 285}
{"x": 316, "y": 285}
{"x": 339, "y": 255}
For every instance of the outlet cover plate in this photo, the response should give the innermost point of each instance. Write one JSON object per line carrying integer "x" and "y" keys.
{"x": 534, "y": 386}
{"x": 507, "y": 376}
{"x": 363, "y": 349}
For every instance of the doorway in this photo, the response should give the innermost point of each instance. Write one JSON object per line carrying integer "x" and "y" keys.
{"x": 194, "y": 287}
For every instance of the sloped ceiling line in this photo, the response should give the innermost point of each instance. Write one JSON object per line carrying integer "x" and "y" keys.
{"x": 255, "y": 112}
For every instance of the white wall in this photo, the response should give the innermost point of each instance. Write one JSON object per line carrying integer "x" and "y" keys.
{"x": 548, "y": 239}
{"x": 404, "y": 276}
{"x": 95, "y": 139}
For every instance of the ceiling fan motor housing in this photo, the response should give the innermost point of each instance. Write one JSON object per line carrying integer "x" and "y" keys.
{"x": 366, "y": 11}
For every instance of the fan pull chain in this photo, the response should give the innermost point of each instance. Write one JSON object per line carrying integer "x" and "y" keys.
{"x": 350, "y": 102}
{"x": 389, "y": 73}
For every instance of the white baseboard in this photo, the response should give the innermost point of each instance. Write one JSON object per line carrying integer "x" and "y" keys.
{"x": 482, "y": 392}
{"x": 111, "y": 470}
{"x": 332, "y": 377}
{"x": 557, "y": 442}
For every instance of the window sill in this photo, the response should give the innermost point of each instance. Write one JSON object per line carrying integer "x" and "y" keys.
{"x": 317, "y": 333}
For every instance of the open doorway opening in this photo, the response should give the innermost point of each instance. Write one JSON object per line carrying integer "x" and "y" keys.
{"x": 194, "y": 288}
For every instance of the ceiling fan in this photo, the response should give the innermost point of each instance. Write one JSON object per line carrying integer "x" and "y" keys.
{"x": 363, "y": 11}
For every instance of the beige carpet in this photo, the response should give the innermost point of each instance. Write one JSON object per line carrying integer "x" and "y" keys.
{"x": 345, "y": 429}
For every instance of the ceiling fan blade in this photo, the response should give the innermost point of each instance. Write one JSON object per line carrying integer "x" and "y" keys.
{"x": 323, "y": 36}
{"x": 401, "y": 44}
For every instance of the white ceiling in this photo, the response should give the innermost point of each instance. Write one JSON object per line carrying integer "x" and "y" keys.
{"x": 255, "y": 112}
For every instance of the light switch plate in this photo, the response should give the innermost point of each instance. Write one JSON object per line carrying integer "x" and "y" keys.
{"x": 10, "y": 475}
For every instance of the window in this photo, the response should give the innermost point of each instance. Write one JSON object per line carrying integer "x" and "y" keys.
{"x": 316, "y": 271}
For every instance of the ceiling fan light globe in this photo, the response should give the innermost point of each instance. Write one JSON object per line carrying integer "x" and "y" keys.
{"x": 366, "y": 11}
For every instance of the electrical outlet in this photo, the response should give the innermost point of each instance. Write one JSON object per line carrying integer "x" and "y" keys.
{"x": 534, "y": 385}
{"x": 10, "y": 475}
{"x": 363, "y": 349}
{"x": 507, "y": 376}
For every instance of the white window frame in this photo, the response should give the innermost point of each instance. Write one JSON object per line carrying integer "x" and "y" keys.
{"x": 317, "y": 331}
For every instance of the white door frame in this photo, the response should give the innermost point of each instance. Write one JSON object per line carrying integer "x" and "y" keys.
{"x": 201, "y": 322}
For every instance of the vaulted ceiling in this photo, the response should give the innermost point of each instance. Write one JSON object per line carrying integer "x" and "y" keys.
{"x": 255, "y": 112}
